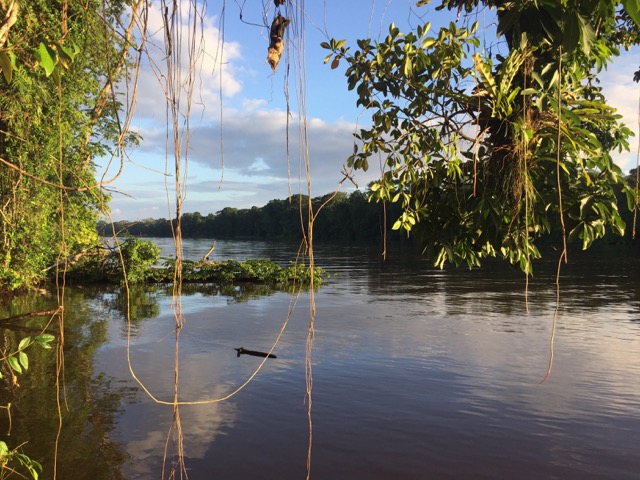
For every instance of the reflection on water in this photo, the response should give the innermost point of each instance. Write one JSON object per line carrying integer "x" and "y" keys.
{"x": 418, "y": 373}
{"x": 90, "y": 400}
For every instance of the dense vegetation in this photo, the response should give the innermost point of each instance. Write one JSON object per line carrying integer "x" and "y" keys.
{"x": 142, "y": 264}
{"x": 346, "y": 218}
{"x": 59, "y": 60}
{"x": 489, "y": 149}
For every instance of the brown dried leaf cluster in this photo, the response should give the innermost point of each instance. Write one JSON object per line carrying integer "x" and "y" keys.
{"x": 276, "y": 42}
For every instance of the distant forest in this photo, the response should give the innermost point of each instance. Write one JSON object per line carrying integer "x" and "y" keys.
{"x": 346, "y": 218}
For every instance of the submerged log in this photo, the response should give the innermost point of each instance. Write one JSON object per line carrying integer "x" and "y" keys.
{"x": 25, "y": 316}
{"x": 244, "y": 351}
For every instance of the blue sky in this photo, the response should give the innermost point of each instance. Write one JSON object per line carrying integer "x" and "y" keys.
{"x": 251, "y": 119}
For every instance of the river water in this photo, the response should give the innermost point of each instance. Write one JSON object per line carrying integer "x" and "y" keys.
{"x": 418, "y": 373}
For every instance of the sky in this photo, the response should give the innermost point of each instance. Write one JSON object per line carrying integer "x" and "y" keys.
{"x": 240, "y": 152}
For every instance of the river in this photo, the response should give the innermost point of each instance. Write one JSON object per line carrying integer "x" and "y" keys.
{"x": 418, "y": 373}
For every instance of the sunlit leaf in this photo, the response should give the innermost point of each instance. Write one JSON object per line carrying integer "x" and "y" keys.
{"x": 24, "y": 360}
{"x": 46, "y": 57}
{"x": 408, "y": 66}
{"x": 485, "y": 75}
{"x": 24, "y": 343}
{"x": 66, "y": 54}
{"x": 14, "y": 364}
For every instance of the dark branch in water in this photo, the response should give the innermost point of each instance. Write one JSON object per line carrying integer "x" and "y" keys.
{"x": 26, "y": 316}
{"x": 244, "y": 351}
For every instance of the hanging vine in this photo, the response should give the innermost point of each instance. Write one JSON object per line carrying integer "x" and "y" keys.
{"x": 535, "y": 112}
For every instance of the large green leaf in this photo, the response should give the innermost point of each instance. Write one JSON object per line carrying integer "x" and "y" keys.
{"x": 46, "y": 57}
{"x": 14, "y": 364}
{"x": 24, "y": 360}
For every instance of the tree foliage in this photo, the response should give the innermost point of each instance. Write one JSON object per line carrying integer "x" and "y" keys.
{"x": 342, "y": 217}
{"x": 486, "y": 149}
{"x": 59, "y": 61}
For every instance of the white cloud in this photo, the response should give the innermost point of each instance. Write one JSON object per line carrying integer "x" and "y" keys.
{"x": 258, "y": 166}
{"x": 623, "y": 93}
{"x": 216, "y": 66}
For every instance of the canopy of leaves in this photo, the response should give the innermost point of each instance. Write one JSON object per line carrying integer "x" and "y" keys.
{"x": 486, "y": 152}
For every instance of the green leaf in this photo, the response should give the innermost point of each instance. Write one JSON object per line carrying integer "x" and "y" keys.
{"x": 56, "y": 74}
{"x": 46, "y": 57}
{"x": 14, "y": 364}
{"x": 587, "y": 236}
{"x": 24, "y": 360}
{"x": 408, "y": 67}
{"x": 66, "y": 55}
{"x": 587, "y": 35}
{"x": 485, "y": 75}
{"x": 583, "y": 203}
{"x": 571, "y": 34}
{"x": 5, "y": 64}
{"x": 618, "y": 225}
{"x": 44, "y": 339}
{"x": 24, "y": 343}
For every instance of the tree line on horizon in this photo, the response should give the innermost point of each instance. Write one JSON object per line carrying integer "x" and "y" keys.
{"x": 346, "y": 217}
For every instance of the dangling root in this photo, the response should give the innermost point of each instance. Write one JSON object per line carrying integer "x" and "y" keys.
{"x": 276, "y": 45}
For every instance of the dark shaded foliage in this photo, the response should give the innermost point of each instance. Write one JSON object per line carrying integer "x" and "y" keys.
{"x": 345, "y": 218}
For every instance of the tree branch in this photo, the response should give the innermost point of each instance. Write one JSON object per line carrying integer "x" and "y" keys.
{"x": 10, "y": 17}
{"x": 25, "y": 316}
